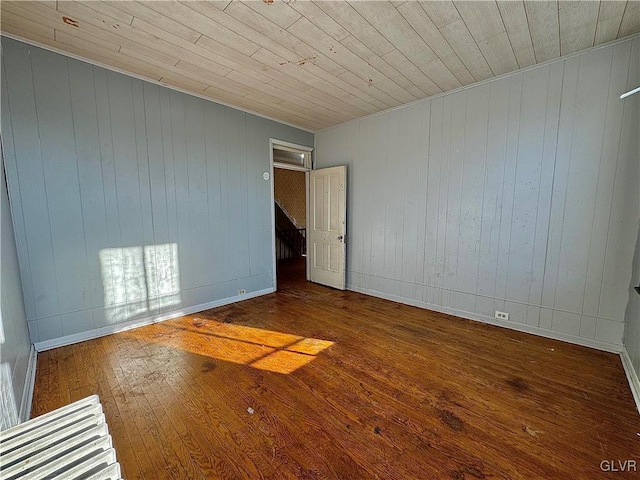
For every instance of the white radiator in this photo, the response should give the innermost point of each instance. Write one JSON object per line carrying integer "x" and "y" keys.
{"x": 72, "y": 442}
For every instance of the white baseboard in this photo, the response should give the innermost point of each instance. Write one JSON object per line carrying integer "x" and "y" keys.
{"x": 542, "y": 332}
{"x": 632, "y": 376}
{"x": 27, "y": 394}
{"x": 140, "y": 322}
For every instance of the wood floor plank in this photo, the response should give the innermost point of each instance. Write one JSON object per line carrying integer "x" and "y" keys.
{"x": 315, "y": 383}
{"x": 106, "y": 389}
{"x": 147, "y": 451}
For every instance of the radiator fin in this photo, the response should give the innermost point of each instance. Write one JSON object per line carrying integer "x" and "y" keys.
{"x": 70, "y": 443}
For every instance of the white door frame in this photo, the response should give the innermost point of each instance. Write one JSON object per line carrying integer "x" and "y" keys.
{"x": 273, "y": 142}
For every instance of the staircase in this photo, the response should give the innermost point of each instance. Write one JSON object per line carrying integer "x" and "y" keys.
{"x": 291, "y": 241}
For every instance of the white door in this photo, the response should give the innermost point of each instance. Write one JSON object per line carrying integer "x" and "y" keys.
{"x": 327, "y": 226}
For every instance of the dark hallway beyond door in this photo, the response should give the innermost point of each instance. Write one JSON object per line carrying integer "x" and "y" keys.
{"x": 291, "y": 273}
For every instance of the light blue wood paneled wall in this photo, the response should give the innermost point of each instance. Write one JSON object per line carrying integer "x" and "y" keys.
{"x": 518, "y": 195}
{"x": 15, "y": 345}
{"x": 632, "y": 327}
{"x": 129, "y": 199}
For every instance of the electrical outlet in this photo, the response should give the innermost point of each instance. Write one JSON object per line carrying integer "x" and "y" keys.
{"x": 242, "y": 291}
{"x": 502, "y": 315}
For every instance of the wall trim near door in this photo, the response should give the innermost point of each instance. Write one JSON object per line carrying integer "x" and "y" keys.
{"x": 273, "y": 143}
{"x": 27, "y": 394}
{"x": 520, "y": 327}
{"x": 632, "y": 376}
{"x": 141, "y": 322}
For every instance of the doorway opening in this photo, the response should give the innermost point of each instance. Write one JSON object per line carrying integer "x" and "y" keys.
{"x": 291, "y": 165}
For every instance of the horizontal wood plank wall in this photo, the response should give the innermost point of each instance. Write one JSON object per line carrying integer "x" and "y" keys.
{"x": 159, "y": 185}
{"x": 513, "y": 195}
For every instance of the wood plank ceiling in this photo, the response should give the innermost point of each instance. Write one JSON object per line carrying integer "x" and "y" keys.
{"x": 317, "y": 64}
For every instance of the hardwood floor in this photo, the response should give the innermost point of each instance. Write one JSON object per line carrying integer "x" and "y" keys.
{"x": 314, "y": 383}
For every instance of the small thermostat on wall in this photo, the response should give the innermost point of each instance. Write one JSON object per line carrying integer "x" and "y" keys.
{"x": 265, "y": 175}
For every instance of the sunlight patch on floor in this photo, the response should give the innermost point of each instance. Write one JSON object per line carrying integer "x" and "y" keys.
{"x": 258, "y": 348}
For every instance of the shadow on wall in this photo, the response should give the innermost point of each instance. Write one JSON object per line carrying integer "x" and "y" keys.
{"x": 139, "y": 281}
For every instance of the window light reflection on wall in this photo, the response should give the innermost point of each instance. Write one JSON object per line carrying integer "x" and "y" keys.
{"x": 139, "y": 280}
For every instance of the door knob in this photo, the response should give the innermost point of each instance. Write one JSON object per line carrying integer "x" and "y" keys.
{"x": 340, "y": 237}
